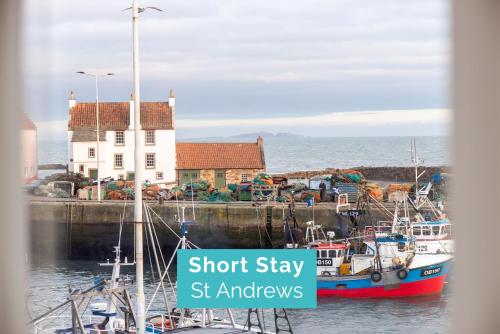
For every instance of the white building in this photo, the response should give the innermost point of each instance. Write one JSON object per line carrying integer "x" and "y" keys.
{"x": 116, "y": 147}
{"x": 29, "y": 158}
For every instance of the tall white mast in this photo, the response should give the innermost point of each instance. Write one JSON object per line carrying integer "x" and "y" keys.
{"x": 140, "y": 312}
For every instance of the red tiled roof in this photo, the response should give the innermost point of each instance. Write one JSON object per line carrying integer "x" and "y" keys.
{"x": 219, "y": 156}
{"x": 115, "y": 116}
{"x": 26, "y": 123}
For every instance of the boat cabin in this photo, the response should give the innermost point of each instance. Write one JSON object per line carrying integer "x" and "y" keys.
{"x": 440, "y": 229}
{"x": 330, "y": 257}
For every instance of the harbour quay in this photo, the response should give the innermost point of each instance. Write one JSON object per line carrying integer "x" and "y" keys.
{"x": 88, "y": 230}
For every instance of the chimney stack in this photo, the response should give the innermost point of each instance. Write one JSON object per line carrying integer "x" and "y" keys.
{"x": 260, "y": 143}
{"x": 171, "y": 104}
{"x": 71, "y": 100}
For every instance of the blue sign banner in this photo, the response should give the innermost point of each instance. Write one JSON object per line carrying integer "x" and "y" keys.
{"x": 246, "y": 278}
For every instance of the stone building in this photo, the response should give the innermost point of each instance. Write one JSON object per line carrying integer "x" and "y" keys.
{"x": 220, "y": 163}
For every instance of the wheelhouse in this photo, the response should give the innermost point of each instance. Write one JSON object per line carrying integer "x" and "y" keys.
{"x": 432, "y": 230}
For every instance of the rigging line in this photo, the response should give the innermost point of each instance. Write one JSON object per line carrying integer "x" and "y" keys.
{"x": 86, "y": 306}
{"x": 150, "y": 233}
{"x": 153, "y": 229}
{"x": 149, "y": 256}
{"x": 178, "y": 209}
{"x": 158, "y": 242}
{"x": 190, "y": 243}
{"x": 52, "y": 318}
{"x": 164, "y": 274}
{"x": 171, "y": 230}
{"x": 164, "y": 223}
{"x": 148, "y": 207}
{"x": 258, "y": 224}
{"x": 122, "y": 218}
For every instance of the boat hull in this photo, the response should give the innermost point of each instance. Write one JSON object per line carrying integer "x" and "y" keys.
{"x": 422, "y": 281}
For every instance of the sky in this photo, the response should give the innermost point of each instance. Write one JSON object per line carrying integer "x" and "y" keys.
{"x": 318, "y": 67}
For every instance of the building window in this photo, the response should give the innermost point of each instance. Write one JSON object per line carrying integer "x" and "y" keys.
{"x": 150, "y": 161}
{"x": 121, "y": 177}
{"x": 25, "y": 171}
{"x": 119, "y": 138}
{"x": 150, "y": 137}
{"x": 81, "y": 169}
{"x": 159, "y": 175}
{"x": 91, "y": 152}
{"x": 245, "y": 177}
{"x": 118, "y": 161}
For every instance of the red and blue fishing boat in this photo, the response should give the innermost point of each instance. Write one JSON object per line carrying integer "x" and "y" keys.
{"x": 390, "y": 268}
{"x": 417, "y": 280}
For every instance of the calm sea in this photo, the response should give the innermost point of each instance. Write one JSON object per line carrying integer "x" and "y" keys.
{"x": 287, "y": 154}
{"x": 49, "y": 286}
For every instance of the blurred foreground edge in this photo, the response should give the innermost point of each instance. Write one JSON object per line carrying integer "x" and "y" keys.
{"x": 12, "y": 233}
{"x": 476, "y": 104}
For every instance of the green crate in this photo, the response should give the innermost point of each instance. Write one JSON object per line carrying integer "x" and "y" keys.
{"x": 245, "y": 196}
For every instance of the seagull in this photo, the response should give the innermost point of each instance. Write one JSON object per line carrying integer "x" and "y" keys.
{"x": 142, "y": 9}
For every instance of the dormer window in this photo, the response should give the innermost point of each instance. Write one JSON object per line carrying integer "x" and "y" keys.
{"x": 119, "y": 138}
{"x": 150, "y": 137}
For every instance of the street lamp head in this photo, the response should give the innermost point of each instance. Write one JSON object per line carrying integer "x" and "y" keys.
{"x": 110, "y": 74}
{"x": 81, "y": 72}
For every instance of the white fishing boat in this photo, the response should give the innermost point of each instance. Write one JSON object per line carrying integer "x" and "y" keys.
{"x": 429, "y": 226}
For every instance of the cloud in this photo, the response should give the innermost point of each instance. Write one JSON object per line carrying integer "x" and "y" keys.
{"x": 244, "y": 59}
{"x": 352, "y": 124}
{"x": 345, "y": 119}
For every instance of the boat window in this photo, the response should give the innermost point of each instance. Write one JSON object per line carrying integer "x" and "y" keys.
{"x": 426, "y": 230}
{"x": 435, "y": 230}
{"x": 417, "y": 230}
{"x": 324, "y": 253}
{"x": 318, "y": 254}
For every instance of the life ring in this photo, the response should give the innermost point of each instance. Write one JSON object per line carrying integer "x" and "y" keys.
{"x": 402, "y": 274}
{"x": 376, "y": 276}
{"x": 326, "y": 273}
{"x": 166, "y": 324}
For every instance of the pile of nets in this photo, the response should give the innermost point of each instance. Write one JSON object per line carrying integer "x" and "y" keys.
{"x": 221, "y": 196}
{"x": 263, "y": 179}
{"x": 374, "y": 190}
{"x": 347, "y": 176}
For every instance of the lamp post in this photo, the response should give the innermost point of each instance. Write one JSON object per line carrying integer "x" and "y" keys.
{"x": 96, "y": 77}
{"x": 139, "y": 276}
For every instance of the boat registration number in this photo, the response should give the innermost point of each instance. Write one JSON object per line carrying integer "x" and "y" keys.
{"x": 324, "y": 262}
{"x": 429, "y": 272}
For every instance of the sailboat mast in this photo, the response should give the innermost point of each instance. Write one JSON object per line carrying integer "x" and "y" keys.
{"x": 415, "y": 162}
{"x": 138, "y": 177}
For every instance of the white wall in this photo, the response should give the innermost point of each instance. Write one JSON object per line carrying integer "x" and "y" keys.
{"x": 164, "y": 150}
{"x": 29, "y": 156}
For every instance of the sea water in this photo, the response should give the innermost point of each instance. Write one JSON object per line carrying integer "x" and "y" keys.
{"x": 49, "y": 285}
{"x": 288, "y": 154}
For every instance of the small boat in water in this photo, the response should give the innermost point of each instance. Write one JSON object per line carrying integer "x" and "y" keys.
{"x": 390, "y": 283}
{"x": 390, "y": 267}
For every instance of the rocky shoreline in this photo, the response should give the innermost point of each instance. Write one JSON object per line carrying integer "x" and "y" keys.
{"x": 394, "y": 174}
